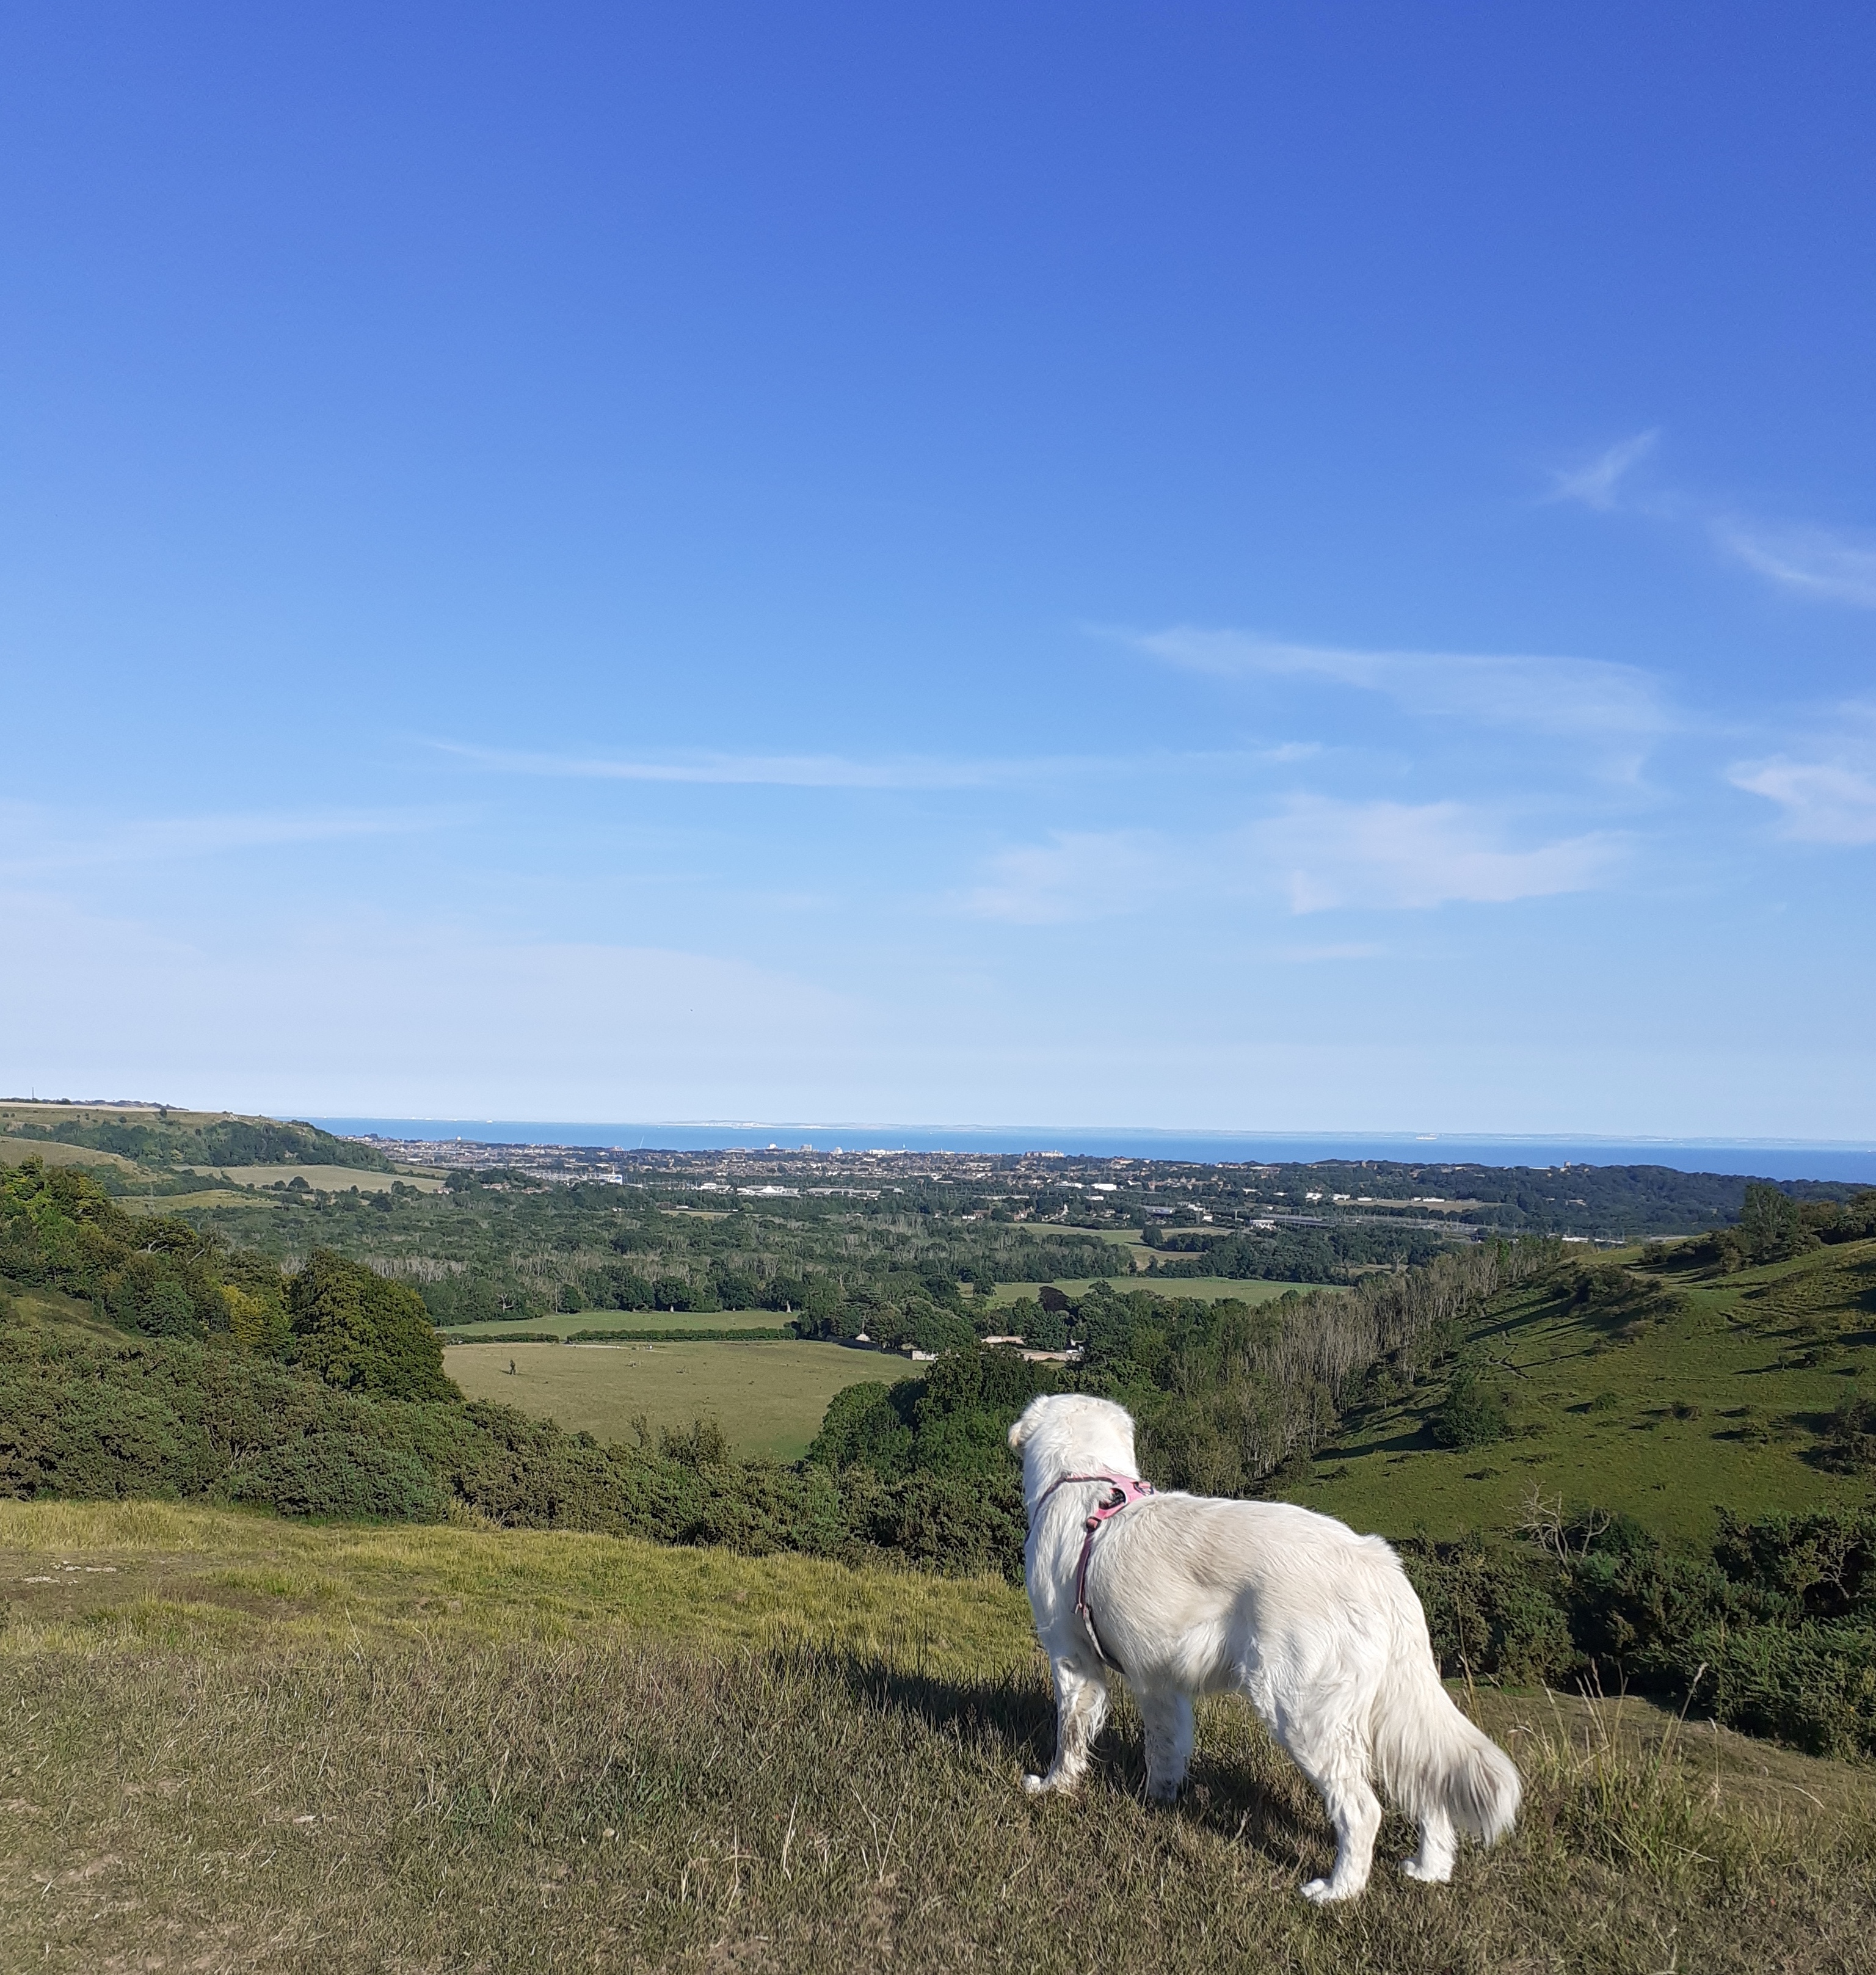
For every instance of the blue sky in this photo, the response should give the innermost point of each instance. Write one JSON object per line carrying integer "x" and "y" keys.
{"x": 1286, "y": 568}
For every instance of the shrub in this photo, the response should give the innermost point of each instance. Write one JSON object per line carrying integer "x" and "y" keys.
{"x": 1850, "y": 1442}
{"x": 702, "y": 1444}
{"x": 1493, "y": 1611}
{"x": 1471, "y": 1416}
{"x": 1814, "y": 1685}
{"x": 342, "y": 1477}
{"x": 959, "y": 1525}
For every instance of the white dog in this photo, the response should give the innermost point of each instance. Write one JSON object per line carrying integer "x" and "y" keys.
{"x": 1186, "y": 1595}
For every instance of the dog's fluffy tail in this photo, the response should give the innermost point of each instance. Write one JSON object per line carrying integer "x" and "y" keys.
{"x": 1427, "y": 1754}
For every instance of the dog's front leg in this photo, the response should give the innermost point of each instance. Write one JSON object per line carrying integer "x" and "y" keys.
{"x": 1080, "y": 1708}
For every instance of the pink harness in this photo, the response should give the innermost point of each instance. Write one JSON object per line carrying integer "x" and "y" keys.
{"x": 1128, "y": 1489}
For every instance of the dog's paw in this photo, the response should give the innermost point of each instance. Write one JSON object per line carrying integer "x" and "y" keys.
{"x": 1324, "y": 1892}
{"x": 1430, "y": 1875}
{"x": 1034, "y": 1786}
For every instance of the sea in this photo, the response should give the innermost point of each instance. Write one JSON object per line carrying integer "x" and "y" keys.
{"x": 1759, "y": 1158}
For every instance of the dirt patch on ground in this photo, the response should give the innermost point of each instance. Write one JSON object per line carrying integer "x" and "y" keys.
{"x": 46, "y": 1588}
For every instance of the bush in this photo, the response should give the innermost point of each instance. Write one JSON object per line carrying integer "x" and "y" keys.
{"x": 1814, "y": 1685}
{"x": 342, "y": 1477}
{"x": 1493, "y": 1610}
{"x": 1850, "y": 1441}
{"x": 960, "y": 1526}
{"x": 1473, "y": 1415}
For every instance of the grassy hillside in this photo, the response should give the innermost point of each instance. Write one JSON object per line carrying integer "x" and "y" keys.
{"x": 165, "y": 1135}
{"x": 1661, "y": 1393}
{"x": 230, "y": 1743}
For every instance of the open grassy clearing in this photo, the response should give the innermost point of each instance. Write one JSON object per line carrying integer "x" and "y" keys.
{"x": 768, "y": 1398}
{"x": 621, "y": 1319}
{"x": 183, "y": 1203}
{"x": 329, "y": 1179}
{"x": 228, "y": 1744}
{"x": 1708, "y": 1406}
{"x": 13, "y": 1150}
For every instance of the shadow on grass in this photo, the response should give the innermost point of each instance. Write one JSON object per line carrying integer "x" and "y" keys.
{"x": 1240, "y": 1788}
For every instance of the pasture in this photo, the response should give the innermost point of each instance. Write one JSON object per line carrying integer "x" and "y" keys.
{"x": 1664, "y": 1419}
{"x": 617, "y": 1320}
{"x": 768, "y": 1398}
{"x": 228, "y": 1744}
{"x": 321, "y": 1179}
{"x": 13, "y": 1150}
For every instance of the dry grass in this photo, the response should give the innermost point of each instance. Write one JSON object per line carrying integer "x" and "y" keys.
{"x": 347, "y": 1782}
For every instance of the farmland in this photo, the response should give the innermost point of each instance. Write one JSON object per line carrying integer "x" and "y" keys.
{"x": 768, "y": 1398}
{"x": 609, "y": 1320}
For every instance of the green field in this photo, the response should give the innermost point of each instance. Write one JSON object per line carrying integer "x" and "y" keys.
{"x": 620, "y": 1319}
{"x": 1713, "y": 1405}
{"x": 13, "y": 1150}
{"x": 229, "y": 1743}
{"x": 328, "y": 1179}
{"x": 768, "y": 1398}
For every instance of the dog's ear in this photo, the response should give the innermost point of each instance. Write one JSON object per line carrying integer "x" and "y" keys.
{"x": 1025, "y": 1425}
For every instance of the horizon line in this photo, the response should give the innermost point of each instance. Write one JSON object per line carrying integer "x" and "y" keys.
{"x": 1392, "y": 1133}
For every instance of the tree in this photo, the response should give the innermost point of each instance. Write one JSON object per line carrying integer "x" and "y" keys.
{"x": 358, "y": 1331}
{"x": 1771, "y": 1228}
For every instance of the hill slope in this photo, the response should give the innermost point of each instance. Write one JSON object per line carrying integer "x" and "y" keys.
{"x": 1640, "y": 1386}
{"x": 161, "y": 1137}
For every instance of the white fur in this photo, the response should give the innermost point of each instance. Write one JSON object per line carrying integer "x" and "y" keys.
{"x": 1318, "y": 1626}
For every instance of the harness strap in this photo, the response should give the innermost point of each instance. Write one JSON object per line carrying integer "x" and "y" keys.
{"x": 1125, "y": 1489}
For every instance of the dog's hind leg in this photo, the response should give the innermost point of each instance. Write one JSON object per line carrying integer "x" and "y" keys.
{"x": 1080, "y": 1709}
{"x": 1337, "y": 1764}
{"x": 1168, "y": 1715}
{"x": 1433, "y": 1861}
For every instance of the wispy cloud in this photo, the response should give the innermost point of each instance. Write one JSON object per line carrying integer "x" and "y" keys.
{"x": 1306, "y": 956}
{"x": 1075, "y": 875}
{"x": 1596, "y": 482}
{"x": 1317, "y": 854}
{"x": 1404, "y": 856}
{"x": 1830, "y": 563}
{"x": 1580, "y": 697}
{"x": 1837, "y": 565}
{"x": 888, "y": 772}
{"x": 38, "y": 841}
{"x": 1823, "y": 802}
{"x": 791, "y": 771}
